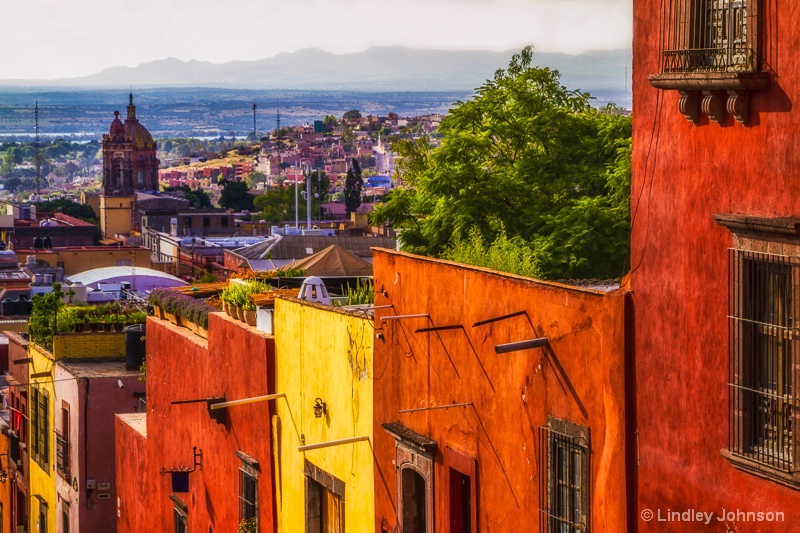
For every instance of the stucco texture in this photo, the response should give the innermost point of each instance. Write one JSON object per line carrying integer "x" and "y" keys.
{"x": 683, "y": 173}
{"x": 578, "y": 378}
{"x": 323, "y": 353}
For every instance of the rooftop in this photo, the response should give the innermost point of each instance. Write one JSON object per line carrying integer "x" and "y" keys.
{"x": 137, "y": 421}
{"x": 98, "y": 369}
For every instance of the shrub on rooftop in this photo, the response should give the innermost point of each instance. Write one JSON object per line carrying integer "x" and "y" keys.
{"x": 175, "y": 303}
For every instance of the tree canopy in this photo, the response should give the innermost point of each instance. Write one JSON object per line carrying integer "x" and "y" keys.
{"x": 68, "y": 207}
{"x": 236, "y": 195}
{"x": 198, "y": 197}
{"x": 528, "y": 162}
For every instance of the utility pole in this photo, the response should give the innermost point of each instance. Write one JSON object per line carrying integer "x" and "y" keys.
{"x": 255, "y": 131}
{"x": 308, "y": 198}
{"x": 296, "y": 205}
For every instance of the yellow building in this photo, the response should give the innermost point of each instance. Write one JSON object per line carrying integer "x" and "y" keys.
{"x": 323, "y": 363}
{"x": 76, "y": 259}
{"x": 41, "y": 421}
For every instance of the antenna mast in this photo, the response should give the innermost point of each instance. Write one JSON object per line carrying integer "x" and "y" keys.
{"x": 37, "y": 155}
{"x": 277, "y": 107}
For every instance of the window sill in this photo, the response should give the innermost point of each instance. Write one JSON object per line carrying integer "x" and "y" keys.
{"x": 757, "y": 469}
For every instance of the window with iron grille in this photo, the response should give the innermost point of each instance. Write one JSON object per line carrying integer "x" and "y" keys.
{"x": 564, "y": 477}
{"x": 33, "y": 417}
{"x": 248, "y": 493}
{"x": 44, "y": 430}
{"x": 763, "y": 365}
{"x": 179, "y": 520}
{"x": 709, "y": 36}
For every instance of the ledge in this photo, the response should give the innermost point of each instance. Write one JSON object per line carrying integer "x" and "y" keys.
{"x": 710, "y": 81}
{"x": 411, "y": 438}
{"x": 757, "y": 469}
{"x": 769, "y": 226}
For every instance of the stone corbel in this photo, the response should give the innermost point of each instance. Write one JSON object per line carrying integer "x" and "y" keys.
{"x": 712, "y": 106}
{"x": 688, "y": 105}
{"x": 738, "y": 105}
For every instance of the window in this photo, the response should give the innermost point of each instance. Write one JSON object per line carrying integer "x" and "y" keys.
{"x": 40, "y": 427}
{"x": 206, "y": 222}
{"x": 762, "y": 361}
{"x": 708, "y": 36}
{"x": 248, "y": 489}
{"x": 324, "y": 501}
{"x": 42, "y": 522}
{"x": 179, "y": 520}
{"x": 564, "y": 477}
{"x": 710, "y": 54}
{"x": 34, "y": 421}
{"x": 62, "y": 444}
{"x": 414, "y": 456}
{"x": 224, "y": 222}
{"x": 64, "y": 517}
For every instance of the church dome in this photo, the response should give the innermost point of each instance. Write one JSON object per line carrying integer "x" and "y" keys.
{"x": 117, "y": 128}
{"x": 142, "y": 140}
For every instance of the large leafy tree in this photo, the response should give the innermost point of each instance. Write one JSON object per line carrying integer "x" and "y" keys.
{"x": 526, "y": 161}
{"x": 353, "y": 184}
{"x": 236, "y": 195}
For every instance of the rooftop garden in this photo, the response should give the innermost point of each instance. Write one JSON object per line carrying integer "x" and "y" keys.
{"x": 51, "y": 316}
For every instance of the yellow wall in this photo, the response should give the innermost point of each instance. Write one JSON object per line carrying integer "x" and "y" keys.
{"x": 116, "y": 215}
{"x": 78, "y": 260}
{"x": 42, "y": 482}
{"x": 89, "y": 345}
{"x": 323, "y": 353}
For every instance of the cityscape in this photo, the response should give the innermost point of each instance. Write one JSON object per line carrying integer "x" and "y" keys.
{"x": 478, "y": 288}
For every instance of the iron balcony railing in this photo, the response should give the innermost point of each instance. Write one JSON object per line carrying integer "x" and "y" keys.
{"x": 706, "y": 36}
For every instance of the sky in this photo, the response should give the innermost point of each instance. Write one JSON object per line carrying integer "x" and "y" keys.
{"x": 50, "y": 39}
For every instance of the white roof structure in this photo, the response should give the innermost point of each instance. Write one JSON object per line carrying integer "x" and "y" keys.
{"x": 141, "y": 279}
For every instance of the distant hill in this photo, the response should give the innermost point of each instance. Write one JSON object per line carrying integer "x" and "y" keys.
{"x": 377, "y": 69}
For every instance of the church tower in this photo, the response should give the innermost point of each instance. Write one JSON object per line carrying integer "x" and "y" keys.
{"x": 129, "y": 165}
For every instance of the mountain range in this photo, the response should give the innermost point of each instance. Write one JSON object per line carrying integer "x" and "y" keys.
{"x": 376, "y": 69}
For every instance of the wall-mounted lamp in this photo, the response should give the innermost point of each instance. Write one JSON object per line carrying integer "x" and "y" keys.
{"x": 3, "y": 470}
{"x": 320, "y": 408}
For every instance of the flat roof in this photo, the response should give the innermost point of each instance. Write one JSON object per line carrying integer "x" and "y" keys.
{"x": 98, "y": 369}
{"x": 137, "y": 422}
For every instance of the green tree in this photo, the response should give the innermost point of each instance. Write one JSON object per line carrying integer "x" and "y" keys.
{"x": 529, "y": 161}
{"x": 68, "y": 207}
{"x": 353, "y": 114}
{"x": 236, "y": 195}
{"x": 198, "y": 197}
{"x": 275, "y": 205}
{"x": 353, "y": 184}
{"x": 254, "y": 178}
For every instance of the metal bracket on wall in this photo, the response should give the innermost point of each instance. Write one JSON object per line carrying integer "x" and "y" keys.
{"x": 197, "y": 456}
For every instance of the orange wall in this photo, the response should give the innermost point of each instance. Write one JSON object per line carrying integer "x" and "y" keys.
{"x": 235, "y": 362}
{"x": 580, "y": 378}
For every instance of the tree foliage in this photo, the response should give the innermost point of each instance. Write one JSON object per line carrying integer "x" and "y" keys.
{"x": 353, "y": 184}
{"x": 525, "y": 160}
{"x": 236, "y": 195}
{"x": 353, "y": 114}
{"x": 68, "y": 207}
{"x": 197, "y": 197}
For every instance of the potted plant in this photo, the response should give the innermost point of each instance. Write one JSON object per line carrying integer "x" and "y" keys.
{"x": 248, "y": 525}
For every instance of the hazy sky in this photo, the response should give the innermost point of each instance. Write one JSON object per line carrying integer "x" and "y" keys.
{"x": 47, "y": 39}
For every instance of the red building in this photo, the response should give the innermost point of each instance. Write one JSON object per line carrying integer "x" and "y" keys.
{"x": 474, "y": 432}
{"x": 715, "y": 274}
{"x": 229, "y": 454}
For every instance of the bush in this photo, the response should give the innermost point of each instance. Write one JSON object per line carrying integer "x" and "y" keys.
{"x": 175, "y": 303}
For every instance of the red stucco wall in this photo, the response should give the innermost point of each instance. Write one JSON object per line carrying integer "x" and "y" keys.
{"x": 512, "y": 393}
{"x": 683, "y": 174}
{"x": 235, "y": 362}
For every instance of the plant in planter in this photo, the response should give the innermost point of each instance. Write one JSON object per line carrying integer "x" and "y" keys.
{"x": 248, "y": 525}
